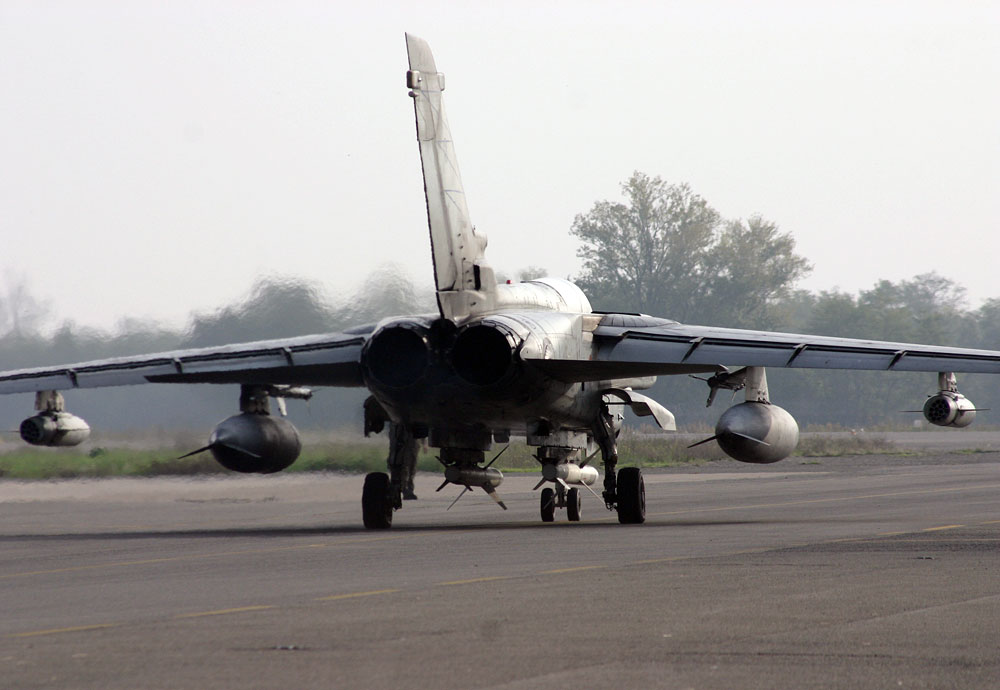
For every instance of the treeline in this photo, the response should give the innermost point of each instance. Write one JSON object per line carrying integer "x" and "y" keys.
{"x": 274, "y": 308}
{"x": 928, "y": 309}
{"x": 663, "y": 251}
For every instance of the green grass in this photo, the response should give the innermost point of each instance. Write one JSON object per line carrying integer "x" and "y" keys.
{"x": 837, "y": 446}
{"x": 637, "y": 450}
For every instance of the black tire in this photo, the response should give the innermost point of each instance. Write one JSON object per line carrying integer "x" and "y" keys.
{"x": 631, "y": 496}
{"x": 574, "y": 503}
{"x": 376, "y": 508}
{"x": 548, "y": 505}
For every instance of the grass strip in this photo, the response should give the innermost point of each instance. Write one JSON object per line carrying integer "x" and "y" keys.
{"x": 637, "y": 450}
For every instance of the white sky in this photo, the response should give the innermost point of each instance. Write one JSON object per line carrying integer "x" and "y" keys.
{"x": 155, "y": 157}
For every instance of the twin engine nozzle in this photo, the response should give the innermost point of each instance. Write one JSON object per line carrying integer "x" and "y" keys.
{"x": 404, "y": 353}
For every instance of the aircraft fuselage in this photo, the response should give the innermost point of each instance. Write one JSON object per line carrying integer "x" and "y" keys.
{"x": 469, "y": 382}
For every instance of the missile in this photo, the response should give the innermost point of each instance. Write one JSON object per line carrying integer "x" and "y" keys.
{"x": 483, "y": 477}
{"x": 568, "y": 473}
{"x": 486, "y": 478}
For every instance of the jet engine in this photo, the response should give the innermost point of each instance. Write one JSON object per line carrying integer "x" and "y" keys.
{"x": 949, "y": 408}
{"x": 54, "y": 428}
{"x": 250, "y": 442}
{"x": 483, "y": 354}
{"x": 398, "y": 354}
{"x": 757, "y": 432}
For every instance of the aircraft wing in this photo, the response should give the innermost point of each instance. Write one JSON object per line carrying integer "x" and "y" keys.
{"x": 318, "y": 360}
{"x": 621, "y": 351}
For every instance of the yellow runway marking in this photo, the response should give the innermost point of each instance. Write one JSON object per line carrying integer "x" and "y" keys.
{"x": 940, "y": 541}
{"x": 577, "y": 569}
{"x": 667, "y": 559}
{"x": 354, "y": 595}
{"x": 474, "y": 580}
{"x": 222, "y": 612}
{"x": 55, "y": 631}
{"x": 190, "y": 557}
{"x": 942, "y": 527}
{"x": 814, "y": 501}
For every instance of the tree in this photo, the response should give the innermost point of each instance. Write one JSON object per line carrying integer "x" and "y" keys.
{"x": 750, "y": 266}
{"x": 276, "y": 307}
{"x": 386, "y": 292}
{"x": 648, "y": 254}
{"x": 521, "y": 275}
{"x": 666, "y": 251}
{"x": 21, "y": 313}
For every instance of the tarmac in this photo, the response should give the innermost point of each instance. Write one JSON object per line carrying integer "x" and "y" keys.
{"x": 874, "y": 571}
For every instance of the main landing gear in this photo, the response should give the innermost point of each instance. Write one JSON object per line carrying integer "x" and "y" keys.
{"x": 626, "y": 491}
{"x": 631, "y": 504}
{"x": 376, "y": 501}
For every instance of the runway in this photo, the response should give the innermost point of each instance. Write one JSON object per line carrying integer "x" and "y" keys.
{"x": 853, "y": 572}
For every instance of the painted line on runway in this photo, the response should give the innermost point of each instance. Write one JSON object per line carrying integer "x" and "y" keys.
{"x": 494, "y": 578}
{"x": 222, "y": 612}
{"x": 56, "y": 631}
{"x": 814, "y": 501}
{"x": 925, "y": 540}
{"x": 190, "y": 557}
{"x": 474, "y": 580}
{"x": 665, "y": 559}
{"x": 692, "y": 557}
{"x": 354, "y": 595}
{"x": 559, "y": 571}
{"x": 942, "y": 527}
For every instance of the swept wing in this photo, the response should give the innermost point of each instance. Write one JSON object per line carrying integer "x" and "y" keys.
{"x": 319, "y": 360}
{"x": 621, "y": 349}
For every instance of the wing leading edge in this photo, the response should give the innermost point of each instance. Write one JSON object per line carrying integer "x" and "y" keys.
{"x": 319, "y": 360}
{"x": 677, "y": 348}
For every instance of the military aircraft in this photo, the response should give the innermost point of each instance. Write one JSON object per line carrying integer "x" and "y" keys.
{"x": 496, "y": 360}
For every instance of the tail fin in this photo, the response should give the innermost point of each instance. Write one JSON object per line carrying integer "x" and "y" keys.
{"x": 465, "y": 283}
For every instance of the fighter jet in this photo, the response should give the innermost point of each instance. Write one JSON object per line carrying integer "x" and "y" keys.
{"x": 530, "y": 359}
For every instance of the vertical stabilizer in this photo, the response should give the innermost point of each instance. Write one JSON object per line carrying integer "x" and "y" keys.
{"x": 465, "y": 283}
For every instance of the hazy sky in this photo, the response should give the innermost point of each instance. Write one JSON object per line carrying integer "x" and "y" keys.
{"x": 158, "y": 156}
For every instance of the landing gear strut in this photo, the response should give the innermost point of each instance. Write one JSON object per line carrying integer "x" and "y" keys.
{"x": 626, "y": 491}
{"x": 383, "y": 493}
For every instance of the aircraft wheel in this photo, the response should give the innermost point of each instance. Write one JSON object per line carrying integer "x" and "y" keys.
{"x": 376, "y": 508}
{"x": 631, "y": 496}
{"x": 548, "y": 505}
{"x": 573, "y": 504}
